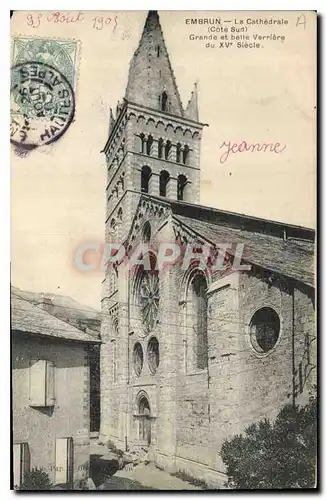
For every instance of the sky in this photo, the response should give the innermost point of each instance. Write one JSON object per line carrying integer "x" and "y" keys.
{"x": 245, "y": 94}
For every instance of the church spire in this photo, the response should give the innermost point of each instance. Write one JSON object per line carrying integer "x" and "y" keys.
{"x": 151, "y": 80}
{"x": 192, "y": 109}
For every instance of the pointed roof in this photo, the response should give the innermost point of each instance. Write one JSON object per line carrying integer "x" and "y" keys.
{"x": 111, "y": 121}
{"x": 150, "y": 71}
{"x": 192, "y": 109}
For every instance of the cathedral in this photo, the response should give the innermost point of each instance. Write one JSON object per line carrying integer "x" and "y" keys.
{"x": 192, "y": 356}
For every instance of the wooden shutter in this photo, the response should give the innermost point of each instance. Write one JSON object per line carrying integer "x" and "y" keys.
{"x": 37, "y": 382}
{"x": 21, "y": 463}
{"x": 64, "y": 461}
{"x": 50, "y": 383}
{"x": 41, "y": 383}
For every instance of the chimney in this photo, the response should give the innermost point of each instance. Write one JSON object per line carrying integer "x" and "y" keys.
{"x": 45, "y": 303}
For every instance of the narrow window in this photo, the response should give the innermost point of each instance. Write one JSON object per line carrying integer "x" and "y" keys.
{"x": 178, "y": 152}
{"x": 186, "y": 151}
{"x": 149, "y": 145}
{"x": 164, "y": 179}
{"x": 158, "y": 50}
{"x": 160, "y": 148}
{"x": 142, "y": 143}
{"x": 145, "y": 178}
{"x": 181, "y": 183}
{"x": 164, "y": 101}
{"x": 199, "y": 295}
{"x": 167, "y": 149}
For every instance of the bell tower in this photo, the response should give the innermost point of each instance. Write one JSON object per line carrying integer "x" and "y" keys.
{"x": 154, "y": 143}
{"x": 153, "y": 147}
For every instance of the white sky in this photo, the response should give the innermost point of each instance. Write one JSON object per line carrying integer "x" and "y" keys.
{"x": 255, "y": 95}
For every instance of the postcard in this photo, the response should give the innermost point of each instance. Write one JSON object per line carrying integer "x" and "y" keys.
{"x": 163, "y": 250}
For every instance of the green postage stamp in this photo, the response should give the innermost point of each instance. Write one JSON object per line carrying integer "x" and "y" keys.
{"x": 60, "y": 54}
{"x": 43, "y": 84}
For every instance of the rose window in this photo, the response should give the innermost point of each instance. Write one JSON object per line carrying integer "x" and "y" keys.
{"x": 149, "y": 298}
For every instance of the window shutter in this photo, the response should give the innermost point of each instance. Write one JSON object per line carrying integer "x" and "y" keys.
{"x": 42, "y": 389}
{"x": 37, "y": 383}
{"x": 21, "y": 462}
{"x": 64, "y": 461}
{"x": 50, "y": 383}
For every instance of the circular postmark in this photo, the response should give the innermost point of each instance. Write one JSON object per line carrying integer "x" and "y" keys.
{"x": 42, "y": 105}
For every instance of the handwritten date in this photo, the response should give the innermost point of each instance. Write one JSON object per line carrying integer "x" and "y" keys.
{"x": 57, "y": 17}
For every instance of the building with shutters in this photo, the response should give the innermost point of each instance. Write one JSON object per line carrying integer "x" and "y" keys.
{"x": 190, "y": 357}
{"x": 50, "y": 395}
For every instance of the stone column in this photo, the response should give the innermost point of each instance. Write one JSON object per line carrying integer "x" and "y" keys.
{"x": 172, "y": 153}
{"x": 154, "y": 184}
{"x": 154, "y": 148}
{"x": 172, "y": 188}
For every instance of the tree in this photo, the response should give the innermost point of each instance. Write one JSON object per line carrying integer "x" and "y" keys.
{"x": 37, "y": 479}
{"x": 275, "y": 455}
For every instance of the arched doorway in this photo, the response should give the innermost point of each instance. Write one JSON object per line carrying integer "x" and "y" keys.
{"x": 144, "y": 420}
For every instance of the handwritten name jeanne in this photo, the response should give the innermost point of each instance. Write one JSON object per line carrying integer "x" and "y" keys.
{"x": 231, "y": 148}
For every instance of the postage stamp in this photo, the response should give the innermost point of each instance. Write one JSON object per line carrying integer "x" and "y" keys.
{"x": 60, "y": 54}
{"x": 43, "y": 83}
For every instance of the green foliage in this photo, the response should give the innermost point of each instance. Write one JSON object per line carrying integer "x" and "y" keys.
{"x": 190, "y": 479}
{"x": 37, "y": 479}
{"x": 275, "y": 455}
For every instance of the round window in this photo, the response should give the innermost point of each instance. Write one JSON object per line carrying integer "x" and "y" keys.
{"x": 138, "y": 358}
{"x": 264, "y": 329}
{"x": 153, "y": 355}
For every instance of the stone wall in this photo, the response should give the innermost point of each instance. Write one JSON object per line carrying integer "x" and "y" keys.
{"x": 70, "y": 416}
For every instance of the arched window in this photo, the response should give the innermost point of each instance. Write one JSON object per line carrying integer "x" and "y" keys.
{"x": 181, "y": 183}
{"x": 167, "y": 149}
{"x": 163, "y": 182}
{"x": 186, "y": 152}
{"x": 164, "y": 101}
{"x": 158, "y": 50}
{"x": 197, "y": 337}
{"x": 160, "y": 147}
{"x": 120, "y": 214}
{"x": 178, "y": 152}
{"x": 142, "y": 143}
{"x": 264, "y": 329}
{"x": 145, "y": 177}
{"x": 145, "y": 420}
{"x": 149, "y": 145}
